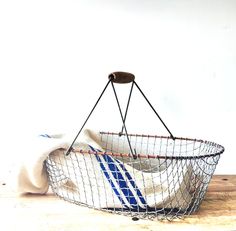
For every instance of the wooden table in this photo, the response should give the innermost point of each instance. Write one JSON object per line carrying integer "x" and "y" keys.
{"x": 49, "y": 213}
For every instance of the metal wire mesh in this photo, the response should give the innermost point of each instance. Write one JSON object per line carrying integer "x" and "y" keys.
{"x": 168, "y": 178}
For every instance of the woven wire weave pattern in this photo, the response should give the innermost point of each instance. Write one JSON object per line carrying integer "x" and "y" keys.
{"x": 167, "y": 180}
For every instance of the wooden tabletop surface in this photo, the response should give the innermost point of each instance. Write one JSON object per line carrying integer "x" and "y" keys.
{"x": 49, "y": 213}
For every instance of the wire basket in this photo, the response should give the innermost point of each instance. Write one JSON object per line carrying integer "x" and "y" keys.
{"x": 144, "y": 176}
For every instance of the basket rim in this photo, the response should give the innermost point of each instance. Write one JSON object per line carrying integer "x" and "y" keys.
{"x": 155, "y": 156}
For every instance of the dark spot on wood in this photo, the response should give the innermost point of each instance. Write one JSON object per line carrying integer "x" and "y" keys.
{"x": 135, "y": 218}
{"x": 225, "y": 179}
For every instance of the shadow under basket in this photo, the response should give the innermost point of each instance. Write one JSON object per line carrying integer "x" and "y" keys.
{"x": 165, "y": 178}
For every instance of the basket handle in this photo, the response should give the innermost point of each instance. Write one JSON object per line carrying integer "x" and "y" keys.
{"x": 121, "y": 77}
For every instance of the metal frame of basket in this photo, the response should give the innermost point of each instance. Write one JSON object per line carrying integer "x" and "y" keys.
{"x": 144, "y": 176}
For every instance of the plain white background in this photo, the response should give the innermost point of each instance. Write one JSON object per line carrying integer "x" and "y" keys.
{"x": 55, "y": 57}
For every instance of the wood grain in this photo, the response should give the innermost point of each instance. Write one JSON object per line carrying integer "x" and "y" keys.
{"x": 37, "y": 212}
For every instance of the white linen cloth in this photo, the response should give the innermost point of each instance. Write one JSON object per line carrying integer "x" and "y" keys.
{"x": 100, "y": 181}
{"x": 29, "y": 173}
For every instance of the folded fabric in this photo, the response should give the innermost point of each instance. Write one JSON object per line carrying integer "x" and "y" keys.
{"x": 101, "y": 181}
{"x": 29, "y": 174}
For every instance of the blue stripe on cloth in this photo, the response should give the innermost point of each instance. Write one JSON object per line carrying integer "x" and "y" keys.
{"x": 45, "y": 135}
{"x": 132, "y": 182}
{"x": 109, "y": 180}
{"x": 122, "y": 183}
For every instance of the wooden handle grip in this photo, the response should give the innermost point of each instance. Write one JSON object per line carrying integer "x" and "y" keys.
{"x": 121, "y": 77}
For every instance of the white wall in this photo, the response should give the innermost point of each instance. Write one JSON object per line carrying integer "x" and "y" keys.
{"x": 55, "y": 57}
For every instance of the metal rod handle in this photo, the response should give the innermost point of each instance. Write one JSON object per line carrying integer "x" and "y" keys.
{"x": 121, "y": 77}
